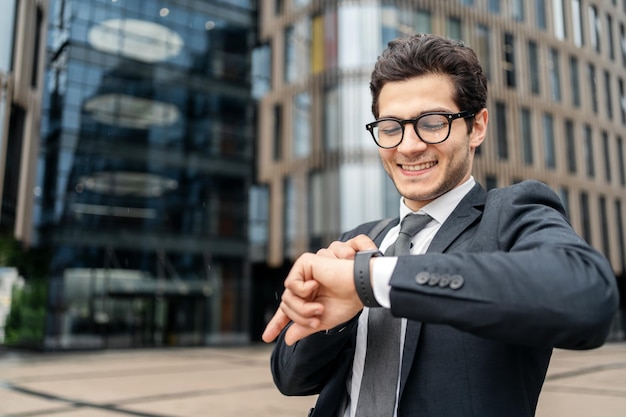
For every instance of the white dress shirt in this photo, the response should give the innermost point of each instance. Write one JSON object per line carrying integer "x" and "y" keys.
{"x": 382, "y": 269}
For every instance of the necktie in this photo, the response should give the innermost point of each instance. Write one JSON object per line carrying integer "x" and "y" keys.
{"x": 377, "y": 396}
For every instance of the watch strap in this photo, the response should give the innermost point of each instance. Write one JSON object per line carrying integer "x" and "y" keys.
{"x": 362, "y": 281}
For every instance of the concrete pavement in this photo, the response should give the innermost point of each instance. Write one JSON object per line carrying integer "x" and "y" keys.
{"x": 236, "y": 381}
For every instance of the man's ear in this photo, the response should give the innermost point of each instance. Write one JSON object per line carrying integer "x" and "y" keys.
{"x": 479, "y": 131}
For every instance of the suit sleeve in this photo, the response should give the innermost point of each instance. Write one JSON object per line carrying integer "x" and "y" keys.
{"x": 523, "y": 276}
{"x": 305, "y": 367}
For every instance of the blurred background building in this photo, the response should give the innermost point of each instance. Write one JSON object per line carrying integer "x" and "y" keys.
{"x": 129, "y": 158}
{"x": 162, "y": 163}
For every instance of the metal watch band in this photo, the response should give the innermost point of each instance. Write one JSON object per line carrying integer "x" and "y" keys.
{"x": 362, "y": 277}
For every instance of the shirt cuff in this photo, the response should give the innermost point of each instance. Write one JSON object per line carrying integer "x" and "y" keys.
{"x": 382, "y": 269}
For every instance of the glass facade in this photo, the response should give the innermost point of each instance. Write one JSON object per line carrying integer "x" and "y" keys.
{"x": 144, "y": 172}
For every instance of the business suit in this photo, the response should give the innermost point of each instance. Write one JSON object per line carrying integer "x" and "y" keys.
{"x": 524, "y": 283}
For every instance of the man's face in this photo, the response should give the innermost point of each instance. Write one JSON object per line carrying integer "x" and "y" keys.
{"x": 422, "y": 172}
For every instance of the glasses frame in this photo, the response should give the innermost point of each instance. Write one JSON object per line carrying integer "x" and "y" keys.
{"x": 450, "y": 116}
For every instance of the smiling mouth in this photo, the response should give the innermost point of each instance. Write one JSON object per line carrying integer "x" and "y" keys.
{"x": 418, "y": 167}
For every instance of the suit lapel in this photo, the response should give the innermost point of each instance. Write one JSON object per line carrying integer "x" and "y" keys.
{"x": 468, "y": 210}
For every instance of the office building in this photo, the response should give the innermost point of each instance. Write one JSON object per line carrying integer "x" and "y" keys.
{"x": 135, "y": 179}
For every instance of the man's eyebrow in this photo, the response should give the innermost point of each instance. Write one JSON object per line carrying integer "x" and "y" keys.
{"x": 416, "y": 115}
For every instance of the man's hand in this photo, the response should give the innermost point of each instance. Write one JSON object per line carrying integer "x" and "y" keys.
{"x": 319, "y": 292}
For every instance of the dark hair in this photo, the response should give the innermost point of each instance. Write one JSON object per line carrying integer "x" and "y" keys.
{"x": 422, "y": 54}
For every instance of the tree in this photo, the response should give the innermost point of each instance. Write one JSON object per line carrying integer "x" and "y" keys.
{"x": 25, "y": 324}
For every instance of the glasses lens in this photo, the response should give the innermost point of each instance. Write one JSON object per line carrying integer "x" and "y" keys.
{"x": 433, "y": 128}
{"x": 388, "y": 133}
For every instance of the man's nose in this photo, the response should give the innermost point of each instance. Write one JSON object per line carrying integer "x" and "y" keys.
{"x": 411, "y": 142}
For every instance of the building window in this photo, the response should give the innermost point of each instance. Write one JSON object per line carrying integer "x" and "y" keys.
{"x": 316, "y": 196}
{"x": 290, "y": 55}
{"x": 589, "y": 160}
{"x": 331, "y": 119}
{"x": 574, "y": 81}
{"x": 564, "y": 196}
{"x": 39, "y": 22}
{"x": 424, "y": 21}
{"x": 453, "y": 28}
{"x": 258, "y": 217}
{"x": 390, "y": 29}
{"x": 533, "y": 67}
{"x": 594, "y": 28}
{"x": 527, "y": 136}
{"x": 301, "y": 125}
{"x": 622, "y": 99}
{"x": 301, "y": 3}
{"x": 620, "y": 232}
{"x": 297, "y": 51}
{"x": 622, "y": 35}
{"x": 494, "y": 6}
{"x": 278, "y": 132}
{"x": 609, "y": 34}
{"x": 278, "y": 7}
{"x": 555, "y": 77}
{"x": 604, "y": 226}
{"x": 591, "y": 79}
{"x": 570, "y": 143}
{"x": 607, "y": 156}
{"x": 509, "y": 59}
{"x": 502, "y": 132}
{"x": 290, "y": 212}
{"x": 331, "y": 39}
{"x": 483, "y": 48}
{"x": 558, "y": 15}
{"x": 620, "y": 161}
{"x": 585, "y": 218}
{"x": 317, "y": 44}
{"x": 548, "y": 144}
{"x": 517, "y": 11}
{"x": 261, "y": 71}
{"x": 577, "y": 23}
{"x": 491, "y": 182}
{"x": 608, "y": 96}
{"x": 13, "y": 161}
{"x": 540, "y": 10}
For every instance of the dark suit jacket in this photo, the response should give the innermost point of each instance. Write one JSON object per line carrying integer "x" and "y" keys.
{"x": 528, "y": 283}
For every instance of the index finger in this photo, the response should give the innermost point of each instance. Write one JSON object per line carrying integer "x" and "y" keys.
{"x": 275, "y": 326}
{"x": 361, "y": 242}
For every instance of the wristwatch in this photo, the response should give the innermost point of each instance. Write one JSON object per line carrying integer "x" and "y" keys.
{"x": 362, "y": 281}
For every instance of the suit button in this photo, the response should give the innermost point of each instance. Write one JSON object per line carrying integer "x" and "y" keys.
{"x": 457, "y": 282}
{"x": 422, "y": 277}
{"x": 444, "y": 281}
{"x": 434, "y": 280}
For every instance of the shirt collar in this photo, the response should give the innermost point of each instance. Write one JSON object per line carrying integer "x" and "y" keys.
{"x": 441, "y": 207}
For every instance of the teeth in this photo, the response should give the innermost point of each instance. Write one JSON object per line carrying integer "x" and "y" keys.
{"x": 418, "y": 167}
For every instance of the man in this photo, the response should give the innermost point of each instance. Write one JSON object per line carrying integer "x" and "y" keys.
{"x": 492, "y": 283}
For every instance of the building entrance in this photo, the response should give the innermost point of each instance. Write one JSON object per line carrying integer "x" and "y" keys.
{"x": 114, "y": 309}
{"x": 149, "y": 320}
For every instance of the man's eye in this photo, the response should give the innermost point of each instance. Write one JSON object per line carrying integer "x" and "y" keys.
{"x": 433, "y": 125}
{"x": 390, "y": 130}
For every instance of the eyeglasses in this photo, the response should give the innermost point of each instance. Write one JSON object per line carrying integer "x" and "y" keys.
{"x": 432, "y": 128}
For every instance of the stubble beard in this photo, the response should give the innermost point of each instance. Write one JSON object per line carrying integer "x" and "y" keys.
{"x": 458, "y": 168}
